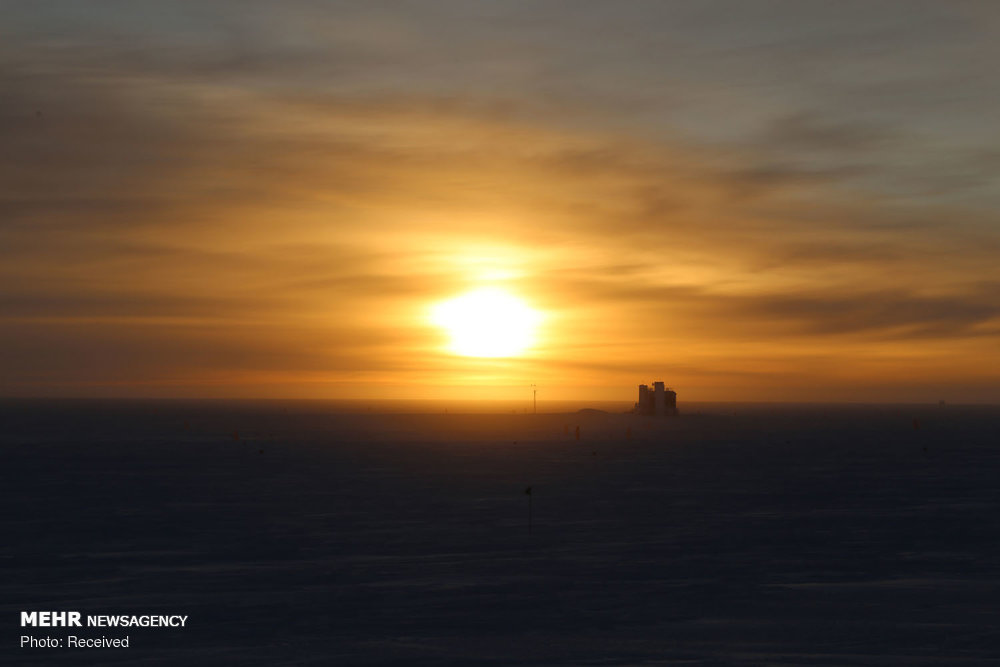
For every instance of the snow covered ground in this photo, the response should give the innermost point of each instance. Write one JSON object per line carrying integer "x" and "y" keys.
{"x": 291, "y": 533}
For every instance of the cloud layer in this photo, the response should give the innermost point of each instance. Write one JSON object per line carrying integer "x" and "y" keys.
{"x": 776, "y": 201}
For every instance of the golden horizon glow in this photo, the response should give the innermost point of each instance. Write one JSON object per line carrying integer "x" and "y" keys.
{"x": 270, "y": 203}
{"x": 487, "y": 322}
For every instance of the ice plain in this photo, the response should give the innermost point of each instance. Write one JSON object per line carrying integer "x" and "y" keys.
{"x": 307, "y": 534}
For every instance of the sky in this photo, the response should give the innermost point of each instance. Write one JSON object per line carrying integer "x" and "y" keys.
{"x": 759, "y": 201}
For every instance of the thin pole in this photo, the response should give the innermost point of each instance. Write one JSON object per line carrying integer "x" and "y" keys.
{"x": 534, "y": 398}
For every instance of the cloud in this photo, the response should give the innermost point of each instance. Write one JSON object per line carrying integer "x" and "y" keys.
{"x": 811, "y": 132}
{"x": 207, "y": 198}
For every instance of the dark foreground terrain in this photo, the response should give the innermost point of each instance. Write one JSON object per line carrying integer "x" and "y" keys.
{"x": 290, "y": 534}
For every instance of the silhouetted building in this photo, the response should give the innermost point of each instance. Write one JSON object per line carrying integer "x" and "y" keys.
{"x": 659, "y": 401}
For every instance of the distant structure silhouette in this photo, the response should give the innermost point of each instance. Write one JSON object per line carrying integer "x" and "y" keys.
{"x": 659, "y": 401}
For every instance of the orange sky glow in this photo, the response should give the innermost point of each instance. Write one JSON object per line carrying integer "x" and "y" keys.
{"x": 272, "y": 204}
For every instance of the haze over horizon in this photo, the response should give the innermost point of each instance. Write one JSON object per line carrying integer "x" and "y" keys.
{"x": 768, "y": 201}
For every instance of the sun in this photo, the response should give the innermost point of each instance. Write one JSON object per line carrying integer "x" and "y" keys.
{"x": 487, "y": 322}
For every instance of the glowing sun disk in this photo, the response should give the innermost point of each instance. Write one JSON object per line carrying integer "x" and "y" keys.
{"x": 487, "y": 322}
